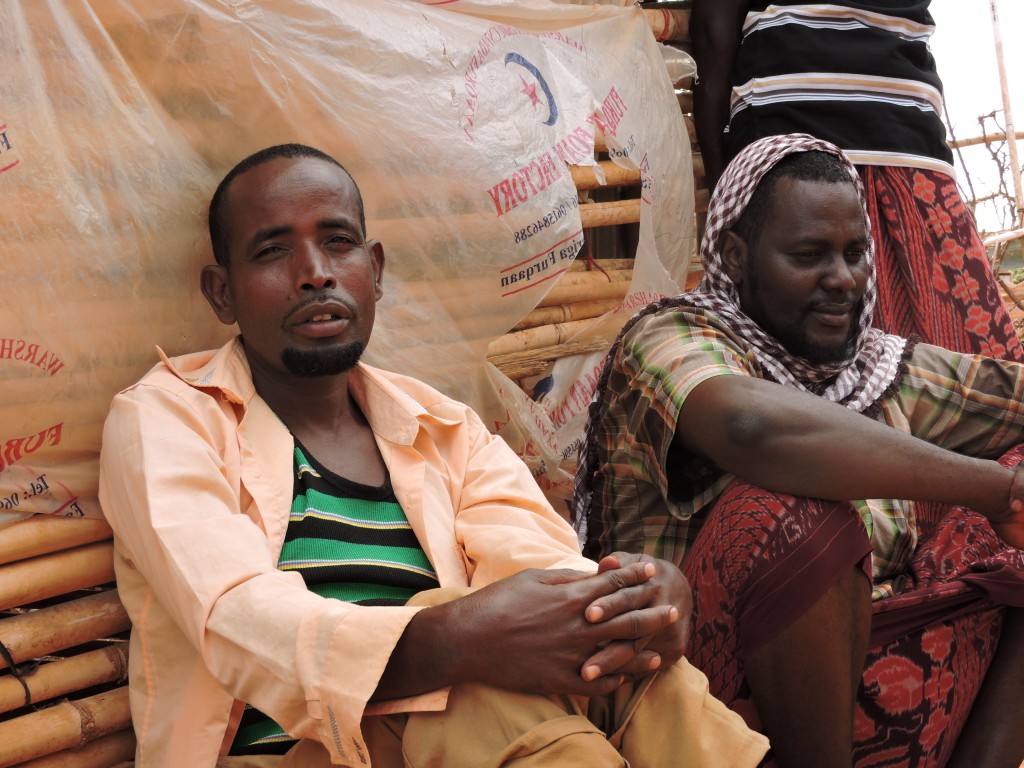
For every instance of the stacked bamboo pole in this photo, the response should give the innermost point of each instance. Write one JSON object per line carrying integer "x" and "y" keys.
{"x": 66, "y": 726}
{"x": 61, "y": 704}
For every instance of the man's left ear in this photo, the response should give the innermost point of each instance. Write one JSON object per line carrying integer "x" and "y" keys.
{"x": 377, "y": 259}
{"x": 735, "y": 254}
{"x": 213, "y": 281}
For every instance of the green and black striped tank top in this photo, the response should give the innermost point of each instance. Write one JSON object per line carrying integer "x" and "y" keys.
{"x": 350, "y": 542}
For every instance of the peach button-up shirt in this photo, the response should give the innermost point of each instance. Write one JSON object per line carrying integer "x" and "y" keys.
{"x": 196, "y": 480}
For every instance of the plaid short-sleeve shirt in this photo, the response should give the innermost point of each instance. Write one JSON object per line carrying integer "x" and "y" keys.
{"x": 650, "y": 495}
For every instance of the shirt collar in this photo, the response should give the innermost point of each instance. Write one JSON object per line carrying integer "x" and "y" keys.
{"x": 393, "y": 413}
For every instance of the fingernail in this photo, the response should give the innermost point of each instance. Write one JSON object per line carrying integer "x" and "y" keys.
{"x": 654, "y": 663}
{"x": 595, "y": 613}
{"x": 673, "y": 613}
{"x": 649, "y": 569}
{"x": 590, "y": 672}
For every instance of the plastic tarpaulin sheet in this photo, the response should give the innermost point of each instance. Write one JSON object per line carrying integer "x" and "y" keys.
{"x": 457, "y": 119}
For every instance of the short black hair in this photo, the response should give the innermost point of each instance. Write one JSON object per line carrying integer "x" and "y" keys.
{"x": 803, "y": 166}
{"x": 217, "y": 218}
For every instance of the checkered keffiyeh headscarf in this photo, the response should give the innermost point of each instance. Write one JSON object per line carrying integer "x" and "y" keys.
{"x": 859, "y": 380}
{"x": 856, "y": 382}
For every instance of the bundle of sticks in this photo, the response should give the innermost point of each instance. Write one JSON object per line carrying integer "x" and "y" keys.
{"x": 64, "y": 654}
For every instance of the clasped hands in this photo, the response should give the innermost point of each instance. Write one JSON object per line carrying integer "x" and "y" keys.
{"x": 572, "y": 632}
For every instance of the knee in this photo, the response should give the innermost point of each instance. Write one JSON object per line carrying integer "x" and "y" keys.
{"x": 750, "y": 523}
{"x": 755, "y": 540}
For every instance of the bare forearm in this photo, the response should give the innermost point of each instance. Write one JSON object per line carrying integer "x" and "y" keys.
{"x": 423, "y": 660}
{"x": 796, "y": 443}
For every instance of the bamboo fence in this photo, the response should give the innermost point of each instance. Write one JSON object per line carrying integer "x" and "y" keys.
{"x": 63, "y": 653}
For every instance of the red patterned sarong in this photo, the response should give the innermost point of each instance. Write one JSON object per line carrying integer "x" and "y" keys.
{"x": 934, "y": 278}
{"x": 763, "y": 558}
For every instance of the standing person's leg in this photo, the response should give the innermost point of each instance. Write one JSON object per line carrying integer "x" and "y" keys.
{"x": 782, "y": 618}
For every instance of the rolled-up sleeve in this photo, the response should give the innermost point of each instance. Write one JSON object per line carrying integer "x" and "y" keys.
{"x": 964, "y": 403}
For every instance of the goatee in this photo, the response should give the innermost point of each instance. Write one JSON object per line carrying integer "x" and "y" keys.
{"x": 329, "y": 361}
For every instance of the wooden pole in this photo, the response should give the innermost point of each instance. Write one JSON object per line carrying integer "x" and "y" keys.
{"x": 63, "y": 726}
{"x": 38, "y": 578}
{"x": 698, "y": 166}
{"x": 685, "y": 100}
{"x": 563, "y": 313}
{"x": 38, "y": 633}
{"x": 568, "y": 294}
{"x": 669, "y": 25}
{"x": 1008, "y": 111}
{"x": 611, "y": 213}
{"x": 988, "y": 138}
{"x": 585, "y": 177}
{"x": 1003, "y": 237}
{"x": 547, "y": 335}
{"x": 42, "y": 534}
{"x": 701, "y": 199}
{"x": 106, "y": 751}
{"x": 520, "y": 365}
{"x": 64, "y": 676}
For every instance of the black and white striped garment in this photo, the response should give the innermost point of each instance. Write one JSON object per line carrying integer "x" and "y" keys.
{"x": 857, "y": 74}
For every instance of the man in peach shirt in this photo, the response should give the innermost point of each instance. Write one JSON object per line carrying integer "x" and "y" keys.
{"x": 340, "y": 564}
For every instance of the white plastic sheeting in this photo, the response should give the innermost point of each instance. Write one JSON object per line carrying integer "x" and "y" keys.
{"x": 457, "y": 119}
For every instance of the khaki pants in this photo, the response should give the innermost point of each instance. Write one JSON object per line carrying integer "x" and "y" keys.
{"x": 667, "y": 720}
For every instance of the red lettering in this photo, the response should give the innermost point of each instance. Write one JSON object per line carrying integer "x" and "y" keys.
{"x": 519, "y": 188}
{"x": 547, "y": 170}
{"x": 563, "y": 155}
{"x": 34, "y": 443}
{"x": 17, "y": 447}
{"x": 510, "y": 199}
{"x": 493, "y": 193}
{"x": 54, "y": 433}
{"x": 619, "y": 101}
{"x": 12, "y": 451}
{"x": 54, "y": 365}
{"x": 525, "y": 174}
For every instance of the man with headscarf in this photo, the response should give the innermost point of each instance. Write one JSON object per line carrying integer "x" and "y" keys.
{"x": 860, "y": 74}
{"x": 733, "y": 425}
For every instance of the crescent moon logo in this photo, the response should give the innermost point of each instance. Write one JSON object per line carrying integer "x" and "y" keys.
{"x": 531, "y": 90}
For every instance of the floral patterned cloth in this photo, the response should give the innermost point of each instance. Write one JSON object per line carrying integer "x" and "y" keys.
{"x": 930, "y": 645}
{"x": 934, "y": 277}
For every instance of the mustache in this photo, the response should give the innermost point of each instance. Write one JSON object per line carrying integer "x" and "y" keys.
{"x": 319, "y": 298}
